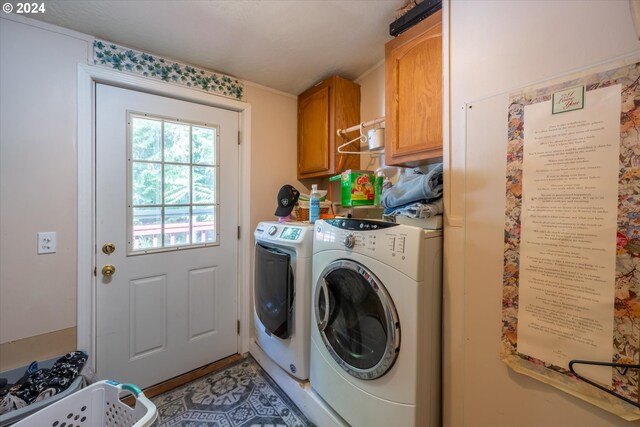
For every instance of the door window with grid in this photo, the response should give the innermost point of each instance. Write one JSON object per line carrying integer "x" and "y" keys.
{"x": 173, "y": 178}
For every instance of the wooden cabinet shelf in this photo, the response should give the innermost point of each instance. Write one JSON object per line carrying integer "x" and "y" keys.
{"x": 323, "y": 109}
{"x": 413, "y": 94}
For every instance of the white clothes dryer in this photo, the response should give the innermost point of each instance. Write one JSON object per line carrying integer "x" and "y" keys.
{"x": 282, "y": 293}
{"x": 376, "y": 322}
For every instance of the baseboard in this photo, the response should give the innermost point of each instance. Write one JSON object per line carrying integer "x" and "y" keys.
{"x": 14, "y": 354}
{"x": 187, "y": 377}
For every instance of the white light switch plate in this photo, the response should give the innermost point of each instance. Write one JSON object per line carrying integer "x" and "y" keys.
{"x": 46, "y": 242}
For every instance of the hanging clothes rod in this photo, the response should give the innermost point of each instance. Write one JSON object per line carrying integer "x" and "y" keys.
{"x": 344, "y": 132}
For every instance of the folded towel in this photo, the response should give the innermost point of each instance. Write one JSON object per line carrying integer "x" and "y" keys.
{"x": 414, "y": 187}
{"x": 417, "y": 209}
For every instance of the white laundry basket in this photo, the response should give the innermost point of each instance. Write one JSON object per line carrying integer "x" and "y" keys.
{"x": 98, "y": 405}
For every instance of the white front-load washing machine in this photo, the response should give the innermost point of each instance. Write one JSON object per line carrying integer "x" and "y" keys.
{"x": 282, "y": 293}
{"x": 376, "y": 322}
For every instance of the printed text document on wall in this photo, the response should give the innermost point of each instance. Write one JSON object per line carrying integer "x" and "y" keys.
{"x": 568, "y": 232}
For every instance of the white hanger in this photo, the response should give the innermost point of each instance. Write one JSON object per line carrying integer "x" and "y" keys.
{"x": 362, "y": 138}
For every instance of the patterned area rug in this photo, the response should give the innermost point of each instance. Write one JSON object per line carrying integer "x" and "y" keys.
{"x": 241, "y": 394}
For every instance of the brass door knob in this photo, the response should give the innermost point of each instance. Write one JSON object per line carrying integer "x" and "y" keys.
{"x": 108, "y": 270}
{"x": 108, "y": 248}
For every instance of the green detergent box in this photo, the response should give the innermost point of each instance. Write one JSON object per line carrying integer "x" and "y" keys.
{"x": 357, "y": 187}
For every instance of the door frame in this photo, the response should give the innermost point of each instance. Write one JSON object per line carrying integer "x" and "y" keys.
{"x": 88, "y": 76}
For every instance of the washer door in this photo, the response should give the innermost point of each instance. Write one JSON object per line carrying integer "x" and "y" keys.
{"x": 274, "y": 290}
{"x": 356, "y": 319}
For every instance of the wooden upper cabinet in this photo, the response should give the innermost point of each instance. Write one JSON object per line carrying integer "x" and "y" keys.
{"x": 323, "y": 109}
{"x": 413, "y": 94}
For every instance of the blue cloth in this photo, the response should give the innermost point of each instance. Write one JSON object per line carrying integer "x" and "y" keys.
{"x": 414, "y": 187}
{"x": 419, "y": 209}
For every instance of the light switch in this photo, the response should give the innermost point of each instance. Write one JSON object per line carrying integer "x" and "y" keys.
{"x": 46, "y": 242}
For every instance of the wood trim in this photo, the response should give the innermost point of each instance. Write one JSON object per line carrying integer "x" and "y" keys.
{"x": 452, "y": 219}
{"x": 245, "y": 245}
{"x": 187, "y": 377}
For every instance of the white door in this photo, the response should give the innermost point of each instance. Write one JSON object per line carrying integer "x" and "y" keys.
{"x": 167, "y": 202}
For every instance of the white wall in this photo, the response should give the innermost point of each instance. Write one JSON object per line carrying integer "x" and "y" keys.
{"x": 495, "y": 47}
{"x": 371, "y": 107}
{"x": 274, "y": 124}
{"x": 38, "y": 182}
{"x": 37, "y": 178}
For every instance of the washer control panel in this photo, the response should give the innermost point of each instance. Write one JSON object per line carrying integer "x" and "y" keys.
{"x": 397, "y": 245}
{"x": 280, "y": 232}
{"x": 286, "y": 235}
{"x": 349, "y": 241}
{"x": 364, "y": 236}
{"x": 359, "y": 224}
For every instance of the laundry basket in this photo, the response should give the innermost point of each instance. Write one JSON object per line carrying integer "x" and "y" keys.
{"x": 98, "y": 405}
{"x": 15, "y": 375}
{"x": 302, "y": 209}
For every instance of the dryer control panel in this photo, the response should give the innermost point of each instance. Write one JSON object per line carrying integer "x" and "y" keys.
{"x": 286, "y": 234}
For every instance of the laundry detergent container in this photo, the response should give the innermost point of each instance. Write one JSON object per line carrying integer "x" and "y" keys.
{"x": 356, "y": 187}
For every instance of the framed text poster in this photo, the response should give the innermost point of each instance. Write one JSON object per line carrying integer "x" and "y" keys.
{"x": 571, "y": 282}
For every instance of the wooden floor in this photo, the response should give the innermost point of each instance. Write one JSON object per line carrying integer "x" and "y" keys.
{"x": 175, "y": 382}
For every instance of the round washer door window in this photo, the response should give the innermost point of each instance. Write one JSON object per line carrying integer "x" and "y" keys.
{"x": 357, "y": 319}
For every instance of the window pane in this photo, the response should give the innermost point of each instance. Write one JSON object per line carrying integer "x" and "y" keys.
{"x": 176, "y": 226}
{"x": 174, "y": 179}
{"x": 204, "y": 184}
{"x": 204, "y": 227}
{"x": 147, "y": 228}
{"x": 146, "y": 184}
{"x": 204, "y": 146}
{"x": 146, "y": 139}
{"x": 176, "y": 143}
{"x": 176, "y": 184}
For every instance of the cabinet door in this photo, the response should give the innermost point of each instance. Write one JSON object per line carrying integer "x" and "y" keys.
{"x": 414, "y": 94}
{"x": 313, "y": 128}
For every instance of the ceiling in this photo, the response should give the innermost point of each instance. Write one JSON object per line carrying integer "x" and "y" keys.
{"x": 287, "y": 45}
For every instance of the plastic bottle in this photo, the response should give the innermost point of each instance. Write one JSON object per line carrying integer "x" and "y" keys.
{"x": 377, "y": 187}
{"x": 314, "y": 204}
